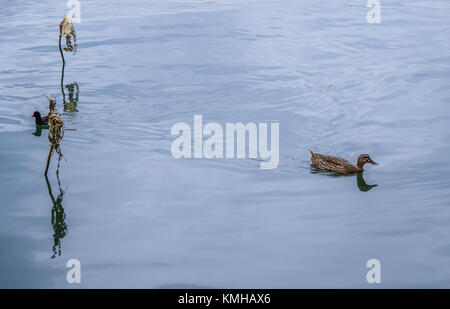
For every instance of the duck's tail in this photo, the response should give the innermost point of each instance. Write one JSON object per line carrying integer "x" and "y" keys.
{"x": 311, "y": 153}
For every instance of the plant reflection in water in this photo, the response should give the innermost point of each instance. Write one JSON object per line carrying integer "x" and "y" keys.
{"x": 58, "y": 217}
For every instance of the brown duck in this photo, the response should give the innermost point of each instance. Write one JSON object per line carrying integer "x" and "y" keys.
{"x": 340, "y": 165}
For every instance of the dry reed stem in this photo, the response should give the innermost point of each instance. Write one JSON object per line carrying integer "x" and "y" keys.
{"x": 55, "y": 132}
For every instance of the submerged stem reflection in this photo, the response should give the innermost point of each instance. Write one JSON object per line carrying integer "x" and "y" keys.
{"x": 58, "y": 217}
{"x": 70, "y": 105}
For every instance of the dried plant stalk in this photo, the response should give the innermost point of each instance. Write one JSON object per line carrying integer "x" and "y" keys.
{"x": 55, "y": 132}
{"x": 67, "y": 29}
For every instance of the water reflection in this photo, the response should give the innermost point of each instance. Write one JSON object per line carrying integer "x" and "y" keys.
{"x": 58, "y": 217}
{"x": 327, "y": 173}
{"x": 70, "y": 105}
{"x": 38, "y": 131}
{"x": 362, "y": 185}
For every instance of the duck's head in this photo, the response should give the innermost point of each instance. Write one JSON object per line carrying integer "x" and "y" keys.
{"x": 36, "y": 114}
{"x": 365, "y": 158}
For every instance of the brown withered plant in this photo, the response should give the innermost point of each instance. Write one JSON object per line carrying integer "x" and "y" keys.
{"x": 55, "y": 132}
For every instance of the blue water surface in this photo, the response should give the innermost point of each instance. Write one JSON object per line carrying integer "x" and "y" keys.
{"x": 136, "y": 217}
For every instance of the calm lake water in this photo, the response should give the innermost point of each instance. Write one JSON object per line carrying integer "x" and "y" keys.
{"x": 136, "y": 217}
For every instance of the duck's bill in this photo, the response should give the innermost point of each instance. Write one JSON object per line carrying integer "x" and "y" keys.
{"x": 32, "y": 115}
{"x": 373, "y": 162}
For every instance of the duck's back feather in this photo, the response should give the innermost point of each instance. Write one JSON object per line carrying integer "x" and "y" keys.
{"x": 334, "y": 164}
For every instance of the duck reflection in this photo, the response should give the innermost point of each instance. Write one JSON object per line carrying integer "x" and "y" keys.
{"x": 38, "y": 131}
{"x": 58, "y": 217}
{"x": 362, "y": 185}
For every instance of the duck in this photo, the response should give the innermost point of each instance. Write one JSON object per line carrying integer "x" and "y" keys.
{"x": 339, "y": 165}
{"x": 40, "y": 121}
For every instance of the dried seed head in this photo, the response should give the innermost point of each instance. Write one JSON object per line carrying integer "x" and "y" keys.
{"x": 67, "y": 29}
